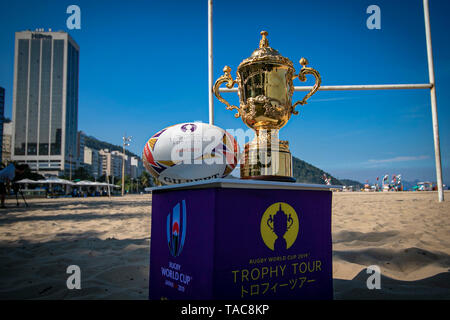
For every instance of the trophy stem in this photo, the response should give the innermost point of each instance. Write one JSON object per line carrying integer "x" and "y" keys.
{"x": 267, "y": 158}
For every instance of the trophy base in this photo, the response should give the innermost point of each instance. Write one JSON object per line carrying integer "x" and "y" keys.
{"x": 271, "y": 163}
{"x": 271, "y": 178}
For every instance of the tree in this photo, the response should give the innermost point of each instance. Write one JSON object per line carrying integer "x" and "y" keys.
{"x": 127, "y": 183}
{"x": 146, "y": 180}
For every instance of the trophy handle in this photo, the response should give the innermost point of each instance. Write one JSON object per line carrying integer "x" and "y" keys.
{"x": 270, "y": 221}
{"x": 302, "y": 77}
{"x": 290, "y": 222}
{"x": 230, "y": 83}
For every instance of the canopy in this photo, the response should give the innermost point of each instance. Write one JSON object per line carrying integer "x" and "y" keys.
{"x": 26, "y": 181}
{"x": 46, "y": 181}
{"x": 93, "y": 184}
{"x": 85, "y": 183}
{"x": 56, "y": 180}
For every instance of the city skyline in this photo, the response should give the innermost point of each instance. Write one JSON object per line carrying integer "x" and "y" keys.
{"x": 138, "y": 85}
{"x": 105, "y": 162}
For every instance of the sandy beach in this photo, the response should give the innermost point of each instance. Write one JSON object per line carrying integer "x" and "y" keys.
{"x": 406, "y": 234}
{"x": 108, "y": 239}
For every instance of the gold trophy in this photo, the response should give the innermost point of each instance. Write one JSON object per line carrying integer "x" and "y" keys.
{"x": 265, "y": 91}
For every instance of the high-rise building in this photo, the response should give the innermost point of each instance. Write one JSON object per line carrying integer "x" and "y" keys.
{"x": 2, "y": 117}
{"x": 136, "y": 167}
{"x": 127, "y": 165}
{"x": 80, "y": 148}
{"x": 111, "y": 162}
{"x": 106, "y": 161}
{"x": 6, "y": 142}
{"x": 45, "y": 101}
{"x": 116, "y": 158}
{"x": 93, "y": 162}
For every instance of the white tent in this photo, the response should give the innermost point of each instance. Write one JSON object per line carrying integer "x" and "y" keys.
{"x": 109, "y": 184}
{"x": 85, "y": 183}
{"x": 94, "y": 184}
{"x": 55, "y": 180}
{"x": 26, "y": 181}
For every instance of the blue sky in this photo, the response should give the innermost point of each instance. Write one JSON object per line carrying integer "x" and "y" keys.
{"x": 143, "y": 66}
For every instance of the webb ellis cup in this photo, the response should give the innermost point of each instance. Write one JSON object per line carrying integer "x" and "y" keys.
{"x": 265, "y": 88}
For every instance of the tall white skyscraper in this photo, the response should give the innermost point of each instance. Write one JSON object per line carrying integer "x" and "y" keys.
{"x": 45, "y": 101}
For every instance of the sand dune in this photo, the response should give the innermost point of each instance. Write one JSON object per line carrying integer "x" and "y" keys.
{"x": 431, "y": 288}
{"x": 406, "y": 234}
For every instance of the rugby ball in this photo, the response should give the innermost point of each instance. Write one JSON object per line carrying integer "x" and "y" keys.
{"x": 188, "y": 152}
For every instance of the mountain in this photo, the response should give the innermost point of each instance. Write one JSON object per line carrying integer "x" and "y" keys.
{"x": 356, "y": 184}
{"x": 94, "y": 143}
{"x": 306, "y": 173}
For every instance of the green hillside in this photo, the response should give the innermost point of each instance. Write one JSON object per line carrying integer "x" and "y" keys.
{"x": 94, "y": 143}
{"x": 307, "y": 173}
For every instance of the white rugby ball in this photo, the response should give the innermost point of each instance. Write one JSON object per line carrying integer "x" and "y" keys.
{"x": 188, "y": 152}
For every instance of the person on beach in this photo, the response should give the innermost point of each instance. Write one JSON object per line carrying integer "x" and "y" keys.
{"x": 7, "y": 175}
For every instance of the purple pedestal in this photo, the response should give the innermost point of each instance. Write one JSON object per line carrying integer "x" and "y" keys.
{"x": 235, "y": 239}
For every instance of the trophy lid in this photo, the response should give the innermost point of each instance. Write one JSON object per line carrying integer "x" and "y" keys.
{"x": 266, "y": 54}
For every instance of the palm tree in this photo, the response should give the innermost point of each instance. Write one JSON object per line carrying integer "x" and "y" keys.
{"x": 145, "y": 179}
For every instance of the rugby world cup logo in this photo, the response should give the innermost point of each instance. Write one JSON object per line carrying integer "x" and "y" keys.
{"x": 176, "y": 228}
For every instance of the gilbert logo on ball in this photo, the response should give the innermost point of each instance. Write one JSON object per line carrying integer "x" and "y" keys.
{"x": 188, "y": 152}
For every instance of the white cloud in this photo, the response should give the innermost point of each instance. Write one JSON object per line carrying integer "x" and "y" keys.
{"x": 398, "y": 159}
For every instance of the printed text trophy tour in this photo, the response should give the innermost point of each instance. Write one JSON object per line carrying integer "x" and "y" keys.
{"x": 265, "y": 91}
